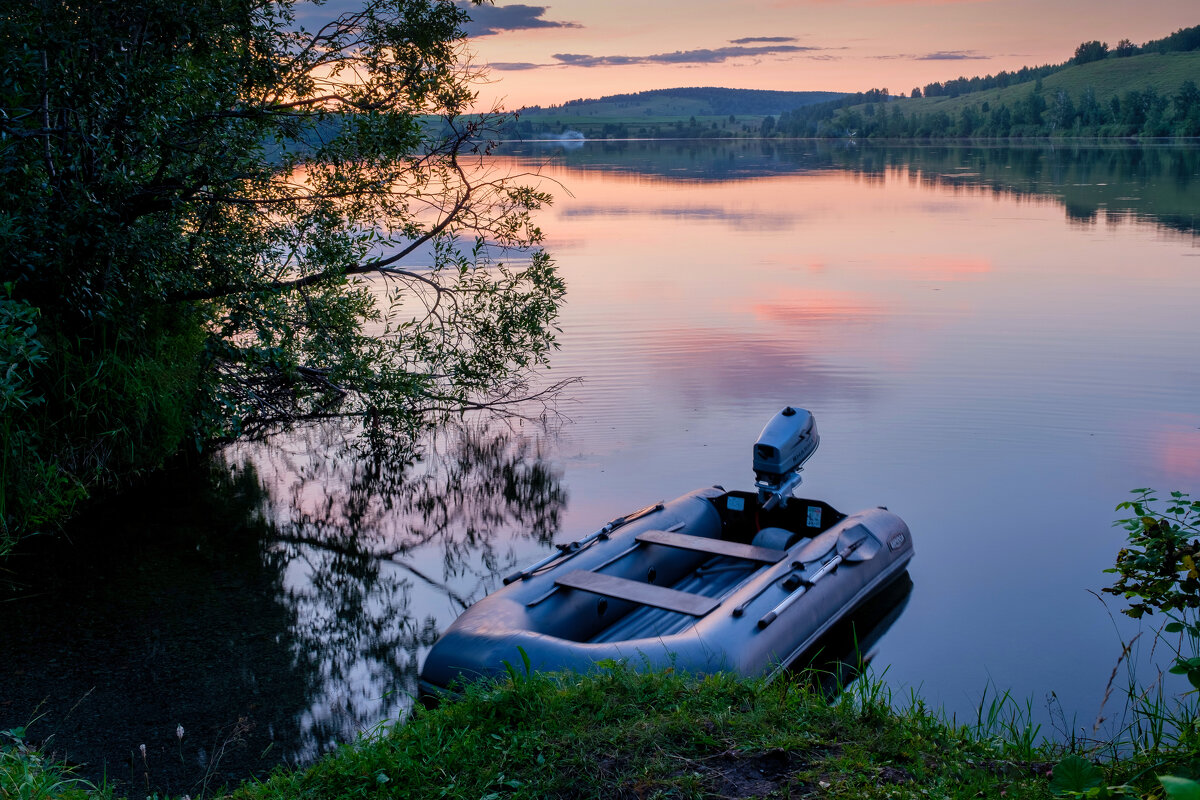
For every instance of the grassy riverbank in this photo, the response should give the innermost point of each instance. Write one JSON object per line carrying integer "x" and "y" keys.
{"x": 620, "y": 734}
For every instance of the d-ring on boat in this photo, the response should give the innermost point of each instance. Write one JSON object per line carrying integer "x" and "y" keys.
{"x": 713, "y": 580}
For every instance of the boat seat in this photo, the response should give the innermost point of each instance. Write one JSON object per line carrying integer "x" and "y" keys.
{"x": 717, "y": 547}
{"x": 646, "y": 594}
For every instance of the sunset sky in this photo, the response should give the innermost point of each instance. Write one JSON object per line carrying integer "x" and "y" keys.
{"x": 546, "y": 54}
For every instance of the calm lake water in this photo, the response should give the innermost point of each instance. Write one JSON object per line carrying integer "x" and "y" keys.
{"x": 998, "y": 343}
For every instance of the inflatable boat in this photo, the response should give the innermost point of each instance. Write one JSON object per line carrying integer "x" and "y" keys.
{"x": 714, "y": 580}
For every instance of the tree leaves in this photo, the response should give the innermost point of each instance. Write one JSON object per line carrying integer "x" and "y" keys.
{"x": 255, "y": 225}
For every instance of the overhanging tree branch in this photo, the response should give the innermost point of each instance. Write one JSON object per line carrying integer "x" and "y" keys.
{"x": 190, "y": 189}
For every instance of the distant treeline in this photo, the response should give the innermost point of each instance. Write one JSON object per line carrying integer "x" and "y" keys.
{"x": 720, "y": 100}
{"x": 1000, "y": 80}
{"x": 812, "y": 119}
{"x": 732, "y": 127}
{"x": 1183, "y": 40}
{"x": 1038, "y": 113}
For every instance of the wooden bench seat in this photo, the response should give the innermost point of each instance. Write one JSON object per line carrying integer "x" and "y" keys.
{"x": 717, "y": 547}
{"x": 646, "y": 594}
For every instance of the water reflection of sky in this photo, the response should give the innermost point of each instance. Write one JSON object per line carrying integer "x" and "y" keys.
{"x": 383, "y": 550}
{"x": 998, "y": 367}
{"x": 996, "y": 364}
{"x": 997, "y": 344}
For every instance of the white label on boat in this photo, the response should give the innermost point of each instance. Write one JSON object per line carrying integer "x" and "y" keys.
{"x": 814, "y": 516}
{"x": 736, "y": 503}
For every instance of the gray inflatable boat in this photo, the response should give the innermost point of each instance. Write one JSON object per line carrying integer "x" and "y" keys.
{"x": 714, "y": 580}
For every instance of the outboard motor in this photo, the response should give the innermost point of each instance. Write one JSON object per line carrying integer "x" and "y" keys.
{"x": 788, "y": 440}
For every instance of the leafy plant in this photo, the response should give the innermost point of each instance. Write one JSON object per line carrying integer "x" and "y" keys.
{"x": 1157, "y": 571}
{"x": 1180, "y": 788}
{"x": 1075, "y": 776}
{"x": 1158, "y": 568}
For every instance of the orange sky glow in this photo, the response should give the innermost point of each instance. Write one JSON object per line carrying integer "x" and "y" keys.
{"x": 568, "y": 49}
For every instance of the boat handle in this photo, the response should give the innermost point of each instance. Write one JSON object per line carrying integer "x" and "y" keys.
{"x": 826, "y": 568}
{"x": 740, "y": 609}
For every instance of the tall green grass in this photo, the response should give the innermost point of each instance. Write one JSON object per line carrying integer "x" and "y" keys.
{"x": 26, "y": 773}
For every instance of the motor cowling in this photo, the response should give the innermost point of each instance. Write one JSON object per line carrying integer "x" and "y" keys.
{"x": 788, "y": 440}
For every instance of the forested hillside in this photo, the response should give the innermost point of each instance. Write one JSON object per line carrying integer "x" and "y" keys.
{"x": 693, "y": 112}
{"x": 1148, "y": 91}
{"x": 691, "y": 100}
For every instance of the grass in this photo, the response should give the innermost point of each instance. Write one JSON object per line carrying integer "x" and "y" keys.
{"x": 27, "y": 774}
{"x": 618, "y": 733}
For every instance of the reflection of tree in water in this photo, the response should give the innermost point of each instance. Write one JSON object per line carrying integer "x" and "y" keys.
{"x": 1146, "y": 182}
{"x": 381, "y": 548}
{"x": 158, "y": 608}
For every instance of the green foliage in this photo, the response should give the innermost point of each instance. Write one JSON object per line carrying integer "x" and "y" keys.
{"x": 26, "y": 773}
{"x": 20, "y": 353}
{"x": 1077, "y": 777}
{"x": 655, "y": 113}
{"x": 1178, "y": 788}
{"x": 216, "y": 223}
{"x": 1032, "y": 112}
{"x": 1182, "y": 40}
{"x": 1090, "y": 51}
{"x": 1075, "y": 774}
{"x": 1157, "y": 571}
{"x": 953, "y": 108}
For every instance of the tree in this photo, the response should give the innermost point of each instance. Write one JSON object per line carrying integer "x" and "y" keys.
{"x": 1181, "y": 41}
{"x": 1125, "y": 48}
{"x": 1062, "y": 111}
{"x": 1091, "y": 51}
{"x": 1091, "y": 114}
{"x": 1001, "y": 121}
{"x": 1187, "y": 109}
{"x": 1029, "y": 109}
{"x": 1155, "y": 108}
{"x": 969, "y": 121}
{"x": 219, "y": 219}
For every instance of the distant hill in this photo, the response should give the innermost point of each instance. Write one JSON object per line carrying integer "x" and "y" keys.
{"x": 688, "y": 111}
{"x": 1148, "y": 91}
{"x": 1164, "y": 73}
{"x": 698, "y": 100}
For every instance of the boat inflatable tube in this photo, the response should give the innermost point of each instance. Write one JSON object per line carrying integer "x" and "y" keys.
{"x": 711, "y": 581}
